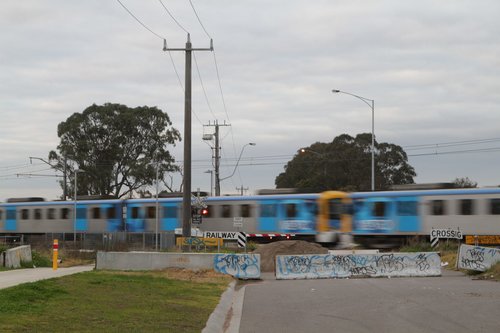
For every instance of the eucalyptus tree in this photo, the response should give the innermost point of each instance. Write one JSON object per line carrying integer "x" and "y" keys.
{"x": 345, "y": 164}
{"x": 116, "y": 149}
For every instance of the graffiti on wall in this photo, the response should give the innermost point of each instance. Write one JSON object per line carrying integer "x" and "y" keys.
{"x": 372, "y": 265}
{"x": 241, "y": 266}
{"x": 477, "y": 258}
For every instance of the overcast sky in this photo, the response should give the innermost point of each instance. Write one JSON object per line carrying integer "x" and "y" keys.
{"x": 432, "y": 67}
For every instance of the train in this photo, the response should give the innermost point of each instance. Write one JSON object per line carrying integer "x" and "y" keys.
{"x": 369, "y": 218}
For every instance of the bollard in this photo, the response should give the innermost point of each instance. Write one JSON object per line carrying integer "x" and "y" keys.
{"x": 55, "y": 250}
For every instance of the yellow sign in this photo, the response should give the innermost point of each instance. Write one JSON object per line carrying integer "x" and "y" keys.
{"x": 195, "y": 241}
{"x": 485, "y": 240}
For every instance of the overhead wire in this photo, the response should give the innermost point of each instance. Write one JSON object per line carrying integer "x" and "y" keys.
{"x": 195, "y": 13}
{"x": 202, "y": 85}
{"x": 173, "y": 18}
{"x": 139, "y": 21}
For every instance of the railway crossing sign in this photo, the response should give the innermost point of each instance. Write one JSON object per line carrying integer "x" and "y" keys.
{"x": 436, "y": 234}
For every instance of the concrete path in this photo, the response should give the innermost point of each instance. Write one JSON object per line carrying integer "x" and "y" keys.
{"x": 19, "y": 276}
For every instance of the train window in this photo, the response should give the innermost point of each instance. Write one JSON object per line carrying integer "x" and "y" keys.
{"x": 495, "y": 206}
{"x": 96, "y": 213}
{"x": 38, "y": 214}
{"x": 466, "y": 207}
{"x": 25, "y": 214}
{"x": 378, "y": 209}
{"x": 407, "y": 208}
{"x": 268, "y": 211}
{"x": 169, "y": 212}
{"x": 438, "y": 207}
{"x": 335, "y": 209}
{"x": 226, "y": 211}
{"x": 64, "y": 213}
{"x": 151, "y": 212}
{"x": 134, "y": 212}
{"x": 111, "y": 213}
{"x": 51, "y": 213}
{"x": 245, "y": 210}
{"x": 291, "y": 210}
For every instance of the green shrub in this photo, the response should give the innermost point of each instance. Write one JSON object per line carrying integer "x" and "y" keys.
{"x": 40, "y": 260}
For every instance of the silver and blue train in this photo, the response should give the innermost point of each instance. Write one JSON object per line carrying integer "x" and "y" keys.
{"x": 364, "y": 215}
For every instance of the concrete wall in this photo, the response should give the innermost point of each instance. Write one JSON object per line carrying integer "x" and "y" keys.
{"x": 477, "y": 258}
{"x": 12, "y": 258}
{"x": 357, "y": 265}
{"x": 243, "y": 266}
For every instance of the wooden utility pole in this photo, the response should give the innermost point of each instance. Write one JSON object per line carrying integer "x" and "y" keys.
{"x": 186, "y": 198}
{"x": 216, "y": 155}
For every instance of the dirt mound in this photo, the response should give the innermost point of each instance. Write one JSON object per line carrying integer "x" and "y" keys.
{"x": 268, "y": 252}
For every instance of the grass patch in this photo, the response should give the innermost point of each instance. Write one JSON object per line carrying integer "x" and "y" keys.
{"x": 105, "y": 301}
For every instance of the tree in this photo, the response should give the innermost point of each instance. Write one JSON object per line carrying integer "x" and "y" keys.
{"x": 464, "y": 182}
{"x": 345, "y": 164}
{"x": 118, "y": 148}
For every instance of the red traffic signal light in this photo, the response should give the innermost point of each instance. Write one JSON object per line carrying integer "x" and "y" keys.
{"x": 204, "y": 211}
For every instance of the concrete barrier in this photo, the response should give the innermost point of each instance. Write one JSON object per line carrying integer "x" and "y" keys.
{"x": 242, "y": 266}
{"x": 358, "y": 265}
{"x": 143, "y": 261}
{"x": 12, "y": 258}
{"x": 477, "y": 258}
{"x": 360, "y": 251}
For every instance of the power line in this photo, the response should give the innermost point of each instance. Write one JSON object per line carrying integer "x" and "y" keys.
{"x": 139, "y": 21}
{"x": 173, "y": 18}
{"x": 195, "y": 13}
{"x": 203, "y": 86}
{"x": 451, "y": 144}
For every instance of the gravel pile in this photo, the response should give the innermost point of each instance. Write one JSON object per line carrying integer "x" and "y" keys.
{"x": 268, "y": 252}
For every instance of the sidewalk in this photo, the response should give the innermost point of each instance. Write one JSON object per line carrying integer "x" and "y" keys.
{"x": 19, "y": 276}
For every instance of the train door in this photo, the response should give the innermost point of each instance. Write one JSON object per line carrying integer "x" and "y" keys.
{"x": 407, "y": 214}
{"x": 135, "y": 218}
{"x": 169, "y": 218}
{"x": 81, "y": 217}
{"x": 10, "y": 219}
{"x": 268, "y": 216}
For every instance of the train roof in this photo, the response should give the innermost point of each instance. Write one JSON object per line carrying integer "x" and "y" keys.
{"x": 413, "y": 193}
{"x": 234, "y": 198}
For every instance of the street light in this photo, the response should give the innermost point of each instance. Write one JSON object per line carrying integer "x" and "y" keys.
{"x": 370, "y": 103}
{"x": 77, "y": 171}
{"x": 237, "y": 162}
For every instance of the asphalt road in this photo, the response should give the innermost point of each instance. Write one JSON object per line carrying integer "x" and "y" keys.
{"x": 450, "y": 303}
{"x": 18, "y": 276}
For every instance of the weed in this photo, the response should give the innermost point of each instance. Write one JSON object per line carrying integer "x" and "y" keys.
{"x": 40, "y": 260}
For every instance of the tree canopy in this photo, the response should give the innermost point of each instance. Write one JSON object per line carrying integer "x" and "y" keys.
{"x": 345, "y": 164}
{"x": 117, "y": 149}
{"x": 464, "y": 182}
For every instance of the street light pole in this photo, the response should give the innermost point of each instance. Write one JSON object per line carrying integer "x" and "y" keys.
{"x": 371, "y": 104}
{"x": 238, "y": 162}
